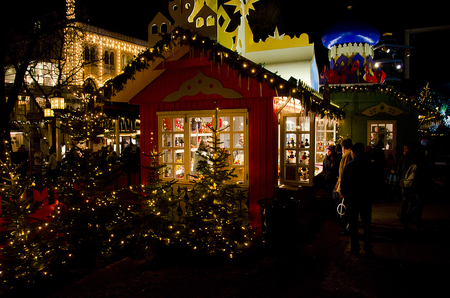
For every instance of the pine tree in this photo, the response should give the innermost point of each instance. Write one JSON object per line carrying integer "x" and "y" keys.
{"x": 215, "y": 222}
{"x": 157, "y": 222}
{"x": 97, "y": 220}
{"x": 29, "y": 246}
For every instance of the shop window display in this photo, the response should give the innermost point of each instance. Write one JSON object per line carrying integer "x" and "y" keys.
{"x": 180, "y": 144}
{"x": 382, "y": 132}
{"x": 297, "y": 146}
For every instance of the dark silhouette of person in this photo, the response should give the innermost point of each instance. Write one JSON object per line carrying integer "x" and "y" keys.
{"x": 127, "y": 161}
{"x": 357, "y": 189}
{"x": 330, "y": 175}
{"x": 414, "y": 196}
{"x": 379, "y": 166}
{"x": 20, "y": 158}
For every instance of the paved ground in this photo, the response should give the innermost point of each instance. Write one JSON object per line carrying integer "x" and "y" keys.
{"x": 409, "y": 263}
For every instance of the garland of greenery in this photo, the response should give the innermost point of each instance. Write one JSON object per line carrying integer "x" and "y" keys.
{"x": 220, "y": 54}
{"x": 414, "y": 103}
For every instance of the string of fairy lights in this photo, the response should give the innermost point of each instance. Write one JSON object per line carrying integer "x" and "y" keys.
{"x": 415, "y": 103}
{"x": 102, "y": 222}
{"x": 219, "y": 54}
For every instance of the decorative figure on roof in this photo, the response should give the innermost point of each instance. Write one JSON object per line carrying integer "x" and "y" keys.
{"x": 209, "y": 19}
{"x": 350, "y": 45}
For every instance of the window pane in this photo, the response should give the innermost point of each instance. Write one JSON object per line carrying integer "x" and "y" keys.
{"x": 238, "y": 140}
{"x": 320, "y": 125}
{"x": 289, "y": 173}
{"x": 195, "y": 124}
{"x": 330, "y": 136}
{"x": 304, "y": 159}
{"x": 200, "y": 124}
{"x": 389, "y": 127}
{"x": 179, "y": 171}
{"x": 291, "y": 123}
{"x": 167, "y": 140}
{"x": 238, "y": 157}
{"x": 389, "y": 145}
{"x": 238, "y": 123}
{"x": 330, "y": 125}
{"x": 167, "y": 125}
{"x": 291, "y": 156}
{"x": 305, "y": 123}
{"x": 303, "y": 174}
{"x": 291, "y": 140}
{"x": 179, "y": 124}
{"x": 224, "y": 123}
{"x": 240, "y": 173}
{"x": 320, "y": 137}
{"x": 179, "y": 141}
{"x": 179, "y": 156}
{"x": 224, "y": 140}
{"x": 304, "y": 140}
{"x": 168, "y": 171}
{"x": 167, "y": 156}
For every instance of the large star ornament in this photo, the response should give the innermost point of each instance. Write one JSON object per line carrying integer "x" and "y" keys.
{"x": 242, "y": 5}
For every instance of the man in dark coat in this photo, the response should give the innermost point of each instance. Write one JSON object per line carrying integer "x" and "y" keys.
{"x": 357, "y": 189}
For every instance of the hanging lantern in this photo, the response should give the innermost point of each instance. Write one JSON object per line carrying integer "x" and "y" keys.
{"x": 57, "y": 103}
{"x": 48, "y": 112}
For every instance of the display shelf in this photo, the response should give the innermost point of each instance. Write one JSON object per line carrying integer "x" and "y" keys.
{"x": 296, "y": 149}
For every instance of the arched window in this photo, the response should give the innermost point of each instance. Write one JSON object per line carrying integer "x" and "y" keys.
{"x": 93, "y": 54}
{"x": 106, "y": 57}
{"x": 123, "y": 61}
{"x": 86, "y": 53}
{"x": 210, "y": 21}
{"x": 154, "y": 29}
{"x": 163, "y": 28}
{"x": 111, "y": 58}
{"x": 200, "y": 22}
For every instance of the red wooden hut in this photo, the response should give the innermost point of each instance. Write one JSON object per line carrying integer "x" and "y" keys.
{"x": 181, "y": 83}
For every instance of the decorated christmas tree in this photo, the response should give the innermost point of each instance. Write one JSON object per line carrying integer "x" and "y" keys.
{"x": 97, "y": 215}
{"x": 30, "y": 249}
{"x": 215, "y": 221}
{"x": 158, "y": 221}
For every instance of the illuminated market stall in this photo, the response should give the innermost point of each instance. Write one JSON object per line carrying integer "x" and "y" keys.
{"x": 267, "y": 117}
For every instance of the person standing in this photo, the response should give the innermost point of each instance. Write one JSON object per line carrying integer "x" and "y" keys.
{"x": 416, "y": 190}
{"x": 330, "y": 175}
{"x": 346, "y": 158}
{"x": 404, "y": 163}
{"x": 357, "y": 189}
{"x": 21, "y": 159}
{"x": 52, "y": 164}
{"x": 346, "y": 145}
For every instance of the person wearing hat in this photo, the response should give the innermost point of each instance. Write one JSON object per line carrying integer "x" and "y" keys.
{"x": 357, "y": 189}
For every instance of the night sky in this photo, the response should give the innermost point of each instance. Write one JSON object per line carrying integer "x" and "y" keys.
{"x": 132, "y": 17}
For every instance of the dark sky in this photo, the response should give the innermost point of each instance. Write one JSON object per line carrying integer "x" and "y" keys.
{"x": 132, "y": 17}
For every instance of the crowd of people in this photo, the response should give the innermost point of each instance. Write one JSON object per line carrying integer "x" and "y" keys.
{"x": 354, "y": 175}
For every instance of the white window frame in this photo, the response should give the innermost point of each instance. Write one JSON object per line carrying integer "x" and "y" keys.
{"x": 389, "y": 146}
{"x": 296, "y": 166}
{"x": 325, "y": 136}
{"x": 188, "y": 149}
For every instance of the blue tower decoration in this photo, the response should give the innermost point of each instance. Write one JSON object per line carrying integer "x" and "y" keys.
{"x": 350, "y": 45}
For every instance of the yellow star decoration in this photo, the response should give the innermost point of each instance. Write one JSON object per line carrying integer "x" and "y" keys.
{"x": 242, "y": 6}
{"x": 276, "y": 34}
